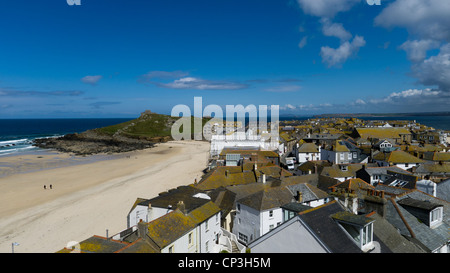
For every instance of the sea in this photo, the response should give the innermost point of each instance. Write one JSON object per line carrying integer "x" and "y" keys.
{"x": 17, "y": 135}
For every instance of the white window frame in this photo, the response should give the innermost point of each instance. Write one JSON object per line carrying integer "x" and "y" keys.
{"x": 436, "y": 216}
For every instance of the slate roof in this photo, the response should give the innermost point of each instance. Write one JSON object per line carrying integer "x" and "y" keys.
{"x": 173, "y": 225}
{"x": 384, "y": 170}
{"x": 398, "y": 157}
{"x": 336, "y": 171}
{"x": 433, "y": 168}
{"x": 390, "y": 236}
{"x": 249, "y": 152}
{"x": 173, "y": 196}
{"x": 319, "y": 220}
{"x": 425, "y": 205}
{"x": 98, "y": 244}
{"x": 309, "y": 192}
{"x": 267, "y": 199}
{"x": 237, "y": 175}
{"x": 408, "y": 225}
{"x": 382, "y": 133}
{"x": 353, "y": 184}
{"x": 224, "y": 199}
{"x": 308, "y": 148}
{"x": 295, "y": 207}
{"x": 391, "y": 190}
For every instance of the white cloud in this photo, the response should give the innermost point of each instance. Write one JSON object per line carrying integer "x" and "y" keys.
{"x": 200, "y": 84}
{"x": 335, "y": 30}
{"x": 303, "y": 42}
{"x": 290, "y": 106}
{"x": 428, "y": 23}
{"x": 326, "y": 8}
{"x": 427, "y": 19}
{"x": 306, "y": 107}
{"x": 435, "y": 70}
{"x": 410, "y": 96}
{"x": 284, "y": 88}
{"x": 93, "y": 80}
{"x": 165, "y": 74}
{"x": 417, "y": 49}
{"x": 336, "y": 57}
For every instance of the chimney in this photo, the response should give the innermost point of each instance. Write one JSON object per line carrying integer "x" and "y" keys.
{"x": 299, "y": 197}
{"x": 142, "y": 229}
{"x": 181, "y": 206}
{"x": 149, "y": 212}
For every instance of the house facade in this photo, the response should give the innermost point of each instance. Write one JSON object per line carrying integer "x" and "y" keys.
{"x": 307, "y": 152}
{"x": 309, "y": 232}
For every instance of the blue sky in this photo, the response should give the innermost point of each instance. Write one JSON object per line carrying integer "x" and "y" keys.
{"x": 117, "y": 58}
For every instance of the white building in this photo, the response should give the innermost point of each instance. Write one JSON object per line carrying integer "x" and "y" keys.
{"x": 258, "y": 213}
{"x": 398, "y": 158}
{"x": 307, "y": 152}
{"x": 150, "y": 209}
{"x": 264, "y": 141}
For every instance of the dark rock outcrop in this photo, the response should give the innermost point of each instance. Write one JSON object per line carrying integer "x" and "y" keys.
{"x": 89, "y": 142}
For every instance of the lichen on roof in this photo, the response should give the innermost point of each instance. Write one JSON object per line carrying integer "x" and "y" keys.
{"x": 381, "y": 133}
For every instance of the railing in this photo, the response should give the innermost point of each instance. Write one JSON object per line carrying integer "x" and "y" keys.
{"x": 226, "y": 242}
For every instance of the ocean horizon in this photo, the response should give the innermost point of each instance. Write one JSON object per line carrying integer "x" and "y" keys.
{"x": 17, "y": 135}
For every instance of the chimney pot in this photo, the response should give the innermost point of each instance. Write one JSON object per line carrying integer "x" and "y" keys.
{"x": 181, "y": 206}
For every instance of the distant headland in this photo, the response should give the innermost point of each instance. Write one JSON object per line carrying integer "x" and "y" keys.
{"x": 357, "y": 115}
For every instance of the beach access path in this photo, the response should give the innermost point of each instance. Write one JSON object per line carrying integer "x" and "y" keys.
{"x": 88, "y": 199}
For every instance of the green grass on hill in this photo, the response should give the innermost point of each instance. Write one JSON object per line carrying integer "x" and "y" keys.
{"x": 146, "y": 126}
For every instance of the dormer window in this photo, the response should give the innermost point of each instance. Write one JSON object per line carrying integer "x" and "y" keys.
{"x": 429, "y": 213}
{"x": 358, "y": 227}
{"x": 436, "y": 216}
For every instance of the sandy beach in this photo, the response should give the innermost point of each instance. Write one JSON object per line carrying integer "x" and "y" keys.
{"x": 87, "y": 197}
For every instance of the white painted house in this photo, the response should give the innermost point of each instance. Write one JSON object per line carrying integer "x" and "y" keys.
{"x": 264, "y": 141}
{"x": 399, "y": 158}
{"x": 258, "y": 213}
{"x": 150, "y": 209}
{"x": 307, "y": 152}
{"x": 339, "y": 153}
{"x": 179, "y": 231}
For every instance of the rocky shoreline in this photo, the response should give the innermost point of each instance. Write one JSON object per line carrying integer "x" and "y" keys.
{"x": 89, "y": 142}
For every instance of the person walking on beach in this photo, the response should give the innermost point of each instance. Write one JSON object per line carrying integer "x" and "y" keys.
{"x": 45, "y": 187}
{"x": 50, "y": 186}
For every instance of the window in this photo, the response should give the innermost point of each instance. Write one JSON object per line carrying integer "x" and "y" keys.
{"x": 271, "y": 213}
{"x": 367, "y": 234}
{"x": 271, "y": 227}
{"x": 242, "y": 237}
{"x": 207, "y": 246}
{"x": 190, "y": 238}
{"x": 436, "y": 215}
{"x": 217, "y": 218}
{"x": 238, "y": 207}
{"x": 171, "y": 249}
{"x": 206, "y": 225}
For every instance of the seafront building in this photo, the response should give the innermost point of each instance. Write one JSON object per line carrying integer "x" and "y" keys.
{"x": 357, "y": 187}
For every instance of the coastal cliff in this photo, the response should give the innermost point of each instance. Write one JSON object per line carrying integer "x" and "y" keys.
{"x": 136, "y": 134}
